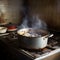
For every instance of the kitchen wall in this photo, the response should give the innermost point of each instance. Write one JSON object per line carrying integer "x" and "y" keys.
{"x": 48, "y": 10}
{"x": 11, "y": 10}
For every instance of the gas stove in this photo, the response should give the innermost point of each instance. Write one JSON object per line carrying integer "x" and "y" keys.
{"x": 53, "y": 46}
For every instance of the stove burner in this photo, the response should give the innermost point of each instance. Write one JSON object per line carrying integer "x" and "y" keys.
{"x": 12, "y": 36}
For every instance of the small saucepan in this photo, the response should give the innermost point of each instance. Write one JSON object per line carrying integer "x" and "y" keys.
{"x": 34, "y": 38}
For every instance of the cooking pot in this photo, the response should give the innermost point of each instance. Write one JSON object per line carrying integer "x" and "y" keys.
{"x": 11, "y": 27}
{"x": 33, "y": 38}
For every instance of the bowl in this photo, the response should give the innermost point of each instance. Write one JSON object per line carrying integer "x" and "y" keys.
{"x": 3, "y": 29}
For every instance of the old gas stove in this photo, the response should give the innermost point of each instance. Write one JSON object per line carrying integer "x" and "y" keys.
{"x": 53, "y": 46}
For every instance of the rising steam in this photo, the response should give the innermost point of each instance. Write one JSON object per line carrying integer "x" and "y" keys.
{"x": 33, "y": 22}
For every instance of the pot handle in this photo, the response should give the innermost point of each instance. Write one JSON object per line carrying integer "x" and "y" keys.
{"x": 51, "y": 35}
{"x": 48, "y": 36}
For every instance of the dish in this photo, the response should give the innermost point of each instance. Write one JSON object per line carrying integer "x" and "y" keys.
{"x": 3, "y": 29}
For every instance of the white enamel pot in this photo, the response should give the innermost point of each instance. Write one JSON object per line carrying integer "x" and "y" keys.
{"x": 34, "y": 42}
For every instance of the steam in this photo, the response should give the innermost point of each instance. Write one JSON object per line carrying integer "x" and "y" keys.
{"x": 33, "y": 22}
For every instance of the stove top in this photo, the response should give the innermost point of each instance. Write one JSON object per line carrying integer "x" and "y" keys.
{"x": 53, "y": 46}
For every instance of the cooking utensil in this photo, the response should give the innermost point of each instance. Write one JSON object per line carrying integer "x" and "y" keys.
{"x": 11, "y": 27}
{"x": 34, "y": 42}
{"x": 3, "y": 29}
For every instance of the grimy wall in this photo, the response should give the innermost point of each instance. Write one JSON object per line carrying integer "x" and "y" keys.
{"x": 48, "y": 10}
{"x": 11, "y": 10}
